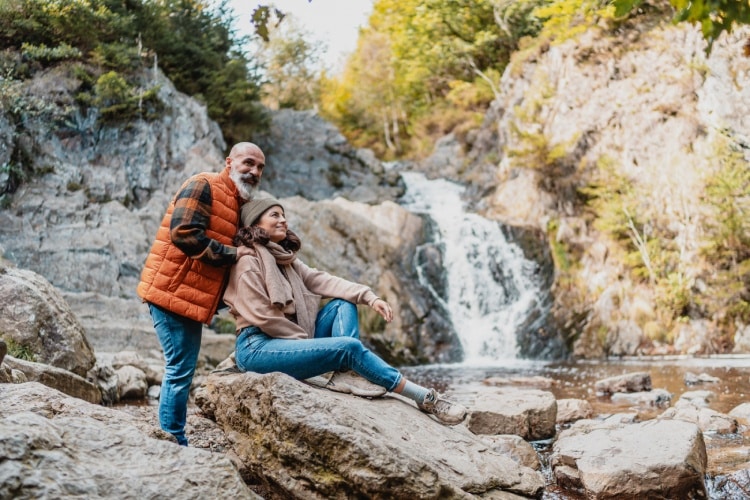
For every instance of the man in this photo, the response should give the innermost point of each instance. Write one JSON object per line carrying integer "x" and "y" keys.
{"x": 186, "y": 270}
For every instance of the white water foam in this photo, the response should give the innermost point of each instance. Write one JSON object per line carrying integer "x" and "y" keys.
{"x": 491, "y": 286}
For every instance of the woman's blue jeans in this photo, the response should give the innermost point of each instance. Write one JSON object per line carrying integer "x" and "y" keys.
{"x": 336, "y": 347}
{"x": 180, "y": 340}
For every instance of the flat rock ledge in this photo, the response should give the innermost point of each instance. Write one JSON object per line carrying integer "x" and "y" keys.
{"x": 300, "y": 441}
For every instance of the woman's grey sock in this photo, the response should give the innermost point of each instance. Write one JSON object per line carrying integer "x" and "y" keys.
{"x": 415, "y": 392}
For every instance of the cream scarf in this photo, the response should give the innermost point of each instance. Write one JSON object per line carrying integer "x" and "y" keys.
{"x": 286, "y": 292}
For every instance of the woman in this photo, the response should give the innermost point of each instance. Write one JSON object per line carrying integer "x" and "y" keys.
{"x": 274, "y": 298}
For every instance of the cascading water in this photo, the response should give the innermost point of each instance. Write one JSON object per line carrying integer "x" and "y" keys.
{"x": 490, "y": 285}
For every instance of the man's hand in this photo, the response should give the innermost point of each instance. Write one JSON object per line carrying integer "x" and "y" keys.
{"x": 243, "y": 250}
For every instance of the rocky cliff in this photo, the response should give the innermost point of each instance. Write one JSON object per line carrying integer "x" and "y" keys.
{"x": 84, "y": 212}
{"x": 627, "y": 147}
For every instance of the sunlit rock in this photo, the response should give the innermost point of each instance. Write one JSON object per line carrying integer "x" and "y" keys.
{"x": 703, "y": 378}
{"x": 654, "y": 459}
{"x": 570, "y": 410}
{"x": 629, "y": 382}
{"x": 515, "y": 447}
{"x": 530, "y": 414}
{"x": 658, "y": 398}
{"x": 696, "y": 398}
{"x": 741, "y": 412}
{"x": 709, "y": 421}
{"x": 304, "y": 442}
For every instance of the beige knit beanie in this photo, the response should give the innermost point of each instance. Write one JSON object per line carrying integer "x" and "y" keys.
{"x": 253, "y": 209}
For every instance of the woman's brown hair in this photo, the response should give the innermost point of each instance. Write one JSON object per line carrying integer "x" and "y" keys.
{"x": 249, "y": 236}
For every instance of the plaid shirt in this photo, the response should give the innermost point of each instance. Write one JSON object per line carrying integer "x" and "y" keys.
{"x": 190, "y": 219}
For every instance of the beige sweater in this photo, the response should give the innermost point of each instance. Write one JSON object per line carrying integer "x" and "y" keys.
{"x": 249, "y": 302}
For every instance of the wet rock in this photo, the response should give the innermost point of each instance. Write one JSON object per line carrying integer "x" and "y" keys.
{"x": 707, "y": 419}
{"x": 530, "y": 414}
{"x": 741, "y": 412}
{"x": 696, "y": 398}
{"x": 658, "y": 398}
{"x": 515, "y": 447}
{"x": 732, "y": 486}
{"x": 654, "y": 459}
{"x": 703, "y": 378}
{"x": 56, "y": 446}
{"x": 305, "y": 442}
{"x": 630, "y": 382}
{"x": 570, "y": 410}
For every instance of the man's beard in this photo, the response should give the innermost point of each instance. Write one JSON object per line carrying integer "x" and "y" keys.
{"x": 245, "y": 187}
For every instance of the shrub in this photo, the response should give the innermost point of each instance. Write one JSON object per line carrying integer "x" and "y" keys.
{"x": 19, "y": 351}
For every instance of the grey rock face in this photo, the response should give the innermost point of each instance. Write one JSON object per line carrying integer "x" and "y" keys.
{"x": 646, "y": 101}
{"x": 87, "y": 221}
{"x": 38, "y": 320}
{"x": 59, "y": 447}
{"x": 306, "y": 442}
{"x": 307, "y": 156}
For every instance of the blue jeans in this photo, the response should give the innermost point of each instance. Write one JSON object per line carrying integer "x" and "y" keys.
{"x": 180, "y": 340}
{"x": 336, "y": 347}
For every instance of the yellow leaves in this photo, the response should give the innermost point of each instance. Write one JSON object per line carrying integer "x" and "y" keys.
{"x": 565, "y": 19}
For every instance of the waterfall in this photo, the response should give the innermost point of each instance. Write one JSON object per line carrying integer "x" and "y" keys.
{"x": 490, "y": 285}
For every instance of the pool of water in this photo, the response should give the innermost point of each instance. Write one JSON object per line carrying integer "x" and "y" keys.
{"x": 726, "y": 454}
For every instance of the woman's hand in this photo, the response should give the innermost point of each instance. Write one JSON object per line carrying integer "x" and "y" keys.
{"x": 384, "y": 309}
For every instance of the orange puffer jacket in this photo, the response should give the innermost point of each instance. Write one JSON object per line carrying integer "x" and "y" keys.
{"x": 183, "y": 285}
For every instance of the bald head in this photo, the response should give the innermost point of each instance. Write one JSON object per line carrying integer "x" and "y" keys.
{"x": 242, "y": 148}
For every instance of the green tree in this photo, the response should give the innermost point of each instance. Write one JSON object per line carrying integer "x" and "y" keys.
{"x": 424, "y": 50}
{"x": 713, "y": 16}
{"x": 291, "y": 66}
{"x": 191, "y": 41}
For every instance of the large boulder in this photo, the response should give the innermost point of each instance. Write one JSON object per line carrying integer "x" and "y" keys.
{"x": 653, "y": 459}
{"x": 38, "y": 322}
{"x": 54, "y": 446}
{"x": 306, "y": 442}
{"x": 530, "y": 414}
